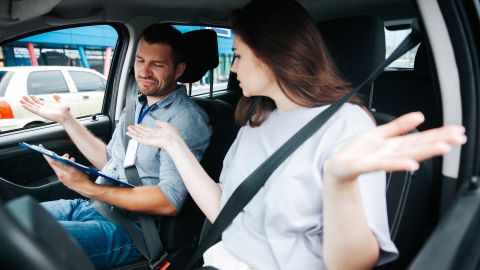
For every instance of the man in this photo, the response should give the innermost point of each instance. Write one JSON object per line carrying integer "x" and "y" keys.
{"x": 158, "y": 65}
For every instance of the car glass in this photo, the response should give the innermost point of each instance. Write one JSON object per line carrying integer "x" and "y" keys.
{"x": 5, "y": 77}
{"x": 46, "y": 82}
{"x": 87, "y": 81}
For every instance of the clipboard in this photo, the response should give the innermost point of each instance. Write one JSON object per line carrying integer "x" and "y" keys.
{"x": 86, "y": 169}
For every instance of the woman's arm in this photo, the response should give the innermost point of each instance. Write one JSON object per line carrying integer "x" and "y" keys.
{"x": 348, "y": 241}
{"x": 204, "y": 191}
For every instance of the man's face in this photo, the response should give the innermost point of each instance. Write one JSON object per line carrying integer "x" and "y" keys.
{"x": 155, "y": 71}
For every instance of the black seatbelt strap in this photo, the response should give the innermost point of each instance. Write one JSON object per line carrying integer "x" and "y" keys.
{"x": 147, "y": 240}
{"x": 252, "y": 184}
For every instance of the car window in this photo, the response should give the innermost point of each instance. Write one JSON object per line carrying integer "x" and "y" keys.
{"x": 5, "y": 77}
{"x": 225, "y": 57}
{"x": 85, "y": 81}
{"x": 46, "y": 82}
{"x": 392, "y": 40}
{"x": 74, "y": 62}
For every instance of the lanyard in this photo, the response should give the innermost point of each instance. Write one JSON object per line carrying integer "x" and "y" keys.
{"x": 143, "y": 112}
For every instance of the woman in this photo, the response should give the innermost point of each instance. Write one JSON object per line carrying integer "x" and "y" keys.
{"x": 325, "y": 205}
{"x": 319, "y": 208}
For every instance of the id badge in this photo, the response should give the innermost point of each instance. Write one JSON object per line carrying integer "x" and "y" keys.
{"x": 131, "y": 153}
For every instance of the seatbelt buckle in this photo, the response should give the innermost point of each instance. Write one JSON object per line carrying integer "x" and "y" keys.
{"x": 160, "y": 264}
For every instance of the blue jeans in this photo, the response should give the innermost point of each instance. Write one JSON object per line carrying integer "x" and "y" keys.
{"x": 105, "y": 243}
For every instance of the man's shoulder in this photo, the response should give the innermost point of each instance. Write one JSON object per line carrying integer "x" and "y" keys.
{"x": 187, "y": 107}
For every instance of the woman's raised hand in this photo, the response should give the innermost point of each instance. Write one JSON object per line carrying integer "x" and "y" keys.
{"x": 385, "y": 149}
{"x": 162, "y": 136}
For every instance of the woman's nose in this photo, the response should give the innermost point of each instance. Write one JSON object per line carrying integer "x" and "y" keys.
{"x": 234, "y": 67}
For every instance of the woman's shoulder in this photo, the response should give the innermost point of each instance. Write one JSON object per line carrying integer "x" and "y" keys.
{"x": 355, "y": 114}
{"x": 350, "y": 120}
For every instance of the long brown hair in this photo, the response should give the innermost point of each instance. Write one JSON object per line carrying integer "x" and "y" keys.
{"x": 283, "y": 36}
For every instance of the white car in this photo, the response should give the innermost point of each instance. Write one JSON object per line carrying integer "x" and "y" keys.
{"x": 83, "y": 89}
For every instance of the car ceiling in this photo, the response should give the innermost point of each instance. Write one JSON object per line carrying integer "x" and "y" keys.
{"x": 21, "y": 16}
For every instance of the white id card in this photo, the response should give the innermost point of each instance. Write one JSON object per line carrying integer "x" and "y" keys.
{"x": 131, "y": 153}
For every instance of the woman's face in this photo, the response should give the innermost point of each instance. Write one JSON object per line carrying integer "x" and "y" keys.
{"x": 255, "y": 78}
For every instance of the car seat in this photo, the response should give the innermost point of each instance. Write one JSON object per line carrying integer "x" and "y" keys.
{"x": 357, "y": 45}
{"x": 33, "y": 240}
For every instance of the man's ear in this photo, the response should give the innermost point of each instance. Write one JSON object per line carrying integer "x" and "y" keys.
{"x": 179, "y": 70}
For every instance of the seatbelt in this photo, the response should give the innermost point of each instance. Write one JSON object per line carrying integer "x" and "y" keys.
{"x": 147, "y": 240}
{"x": 252, "y": 184}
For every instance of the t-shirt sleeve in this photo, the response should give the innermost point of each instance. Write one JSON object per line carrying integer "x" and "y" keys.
{"x": 372, "y": 185}
{"x": 195, "y": 131}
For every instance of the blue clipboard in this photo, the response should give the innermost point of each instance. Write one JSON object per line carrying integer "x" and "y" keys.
{"x": 88, "y": 170}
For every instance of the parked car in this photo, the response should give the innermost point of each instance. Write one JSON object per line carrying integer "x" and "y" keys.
{"x": 433, "y": 212}
{"x": 82, "y": 88}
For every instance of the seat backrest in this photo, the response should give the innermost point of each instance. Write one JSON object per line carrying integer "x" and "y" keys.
{"x": 411, "y": 89}
{"x": 409, "y": 204}
{"x": 357, "y": 45}
{"x": 32, "y": 239}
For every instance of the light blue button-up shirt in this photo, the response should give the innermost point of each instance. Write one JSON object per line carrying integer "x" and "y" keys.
{"x": 154, "y": 165}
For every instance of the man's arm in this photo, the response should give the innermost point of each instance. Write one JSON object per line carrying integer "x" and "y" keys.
{"x": 145, "y": 199}
{"x": 90, "y": 146}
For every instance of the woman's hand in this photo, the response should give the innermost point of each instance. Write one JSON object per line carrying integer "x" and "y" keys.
{"x": 385, "y": 149}
{"x": 52, "y": 110}
{"x": 163, "y": 136}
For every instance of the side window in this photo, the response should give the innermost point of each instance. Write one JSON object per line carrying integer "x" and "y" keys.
{"x": 225, "y": 58}
{"x": 73, "y": 62}
{"x": 5, "y": 77}
{"x": 46, "y": 82}
{"x": 85, "y": 81}
{"x": 392, "y": 40}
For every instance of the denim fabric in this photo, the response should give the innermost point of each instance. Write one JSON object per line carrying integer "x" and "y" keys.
{"x": 105, "y": 243}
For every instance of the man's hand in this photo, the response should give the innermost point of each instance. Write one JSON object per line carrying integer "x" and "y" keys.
{"x": 52, "y": 110}
{"x": 71, "y": 177}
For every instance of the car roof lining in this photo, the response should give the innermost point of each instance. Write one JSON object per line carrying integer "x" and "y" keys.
{"x": 68, "y": 12}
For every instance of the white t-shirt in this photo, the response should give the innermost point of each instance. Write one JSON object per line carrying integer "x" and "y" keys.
{"x": 282, "y": 226}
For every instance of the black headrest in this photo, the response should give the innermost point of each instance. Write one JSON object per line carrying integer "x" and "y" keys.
{"x": 421, "y": 65}
{"x": 356, "y": 44}
{"x": 201, "y": 54}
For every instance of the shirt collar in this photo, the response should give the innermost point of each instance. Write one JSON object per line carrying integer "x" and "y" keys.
{"x": 167, "y": 100}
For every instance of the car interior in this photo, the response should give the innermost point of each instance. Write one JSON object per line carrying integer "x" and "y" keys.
{"x": 432, "y": 212}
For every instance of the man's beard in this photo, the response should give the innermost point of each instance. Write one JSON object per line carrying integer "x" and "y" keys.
{"x": 160, "y": 91}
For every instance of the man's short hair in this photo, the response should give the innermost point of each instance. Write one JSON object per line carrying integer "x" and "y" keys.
{"x": 166, "y": 34}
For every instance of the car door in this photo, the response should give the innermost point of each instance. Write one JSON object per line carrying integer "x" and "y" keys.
{"x": 454, "y": 244}
{"x": 88, "y": 88}
{"x": 28, "y": 169}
